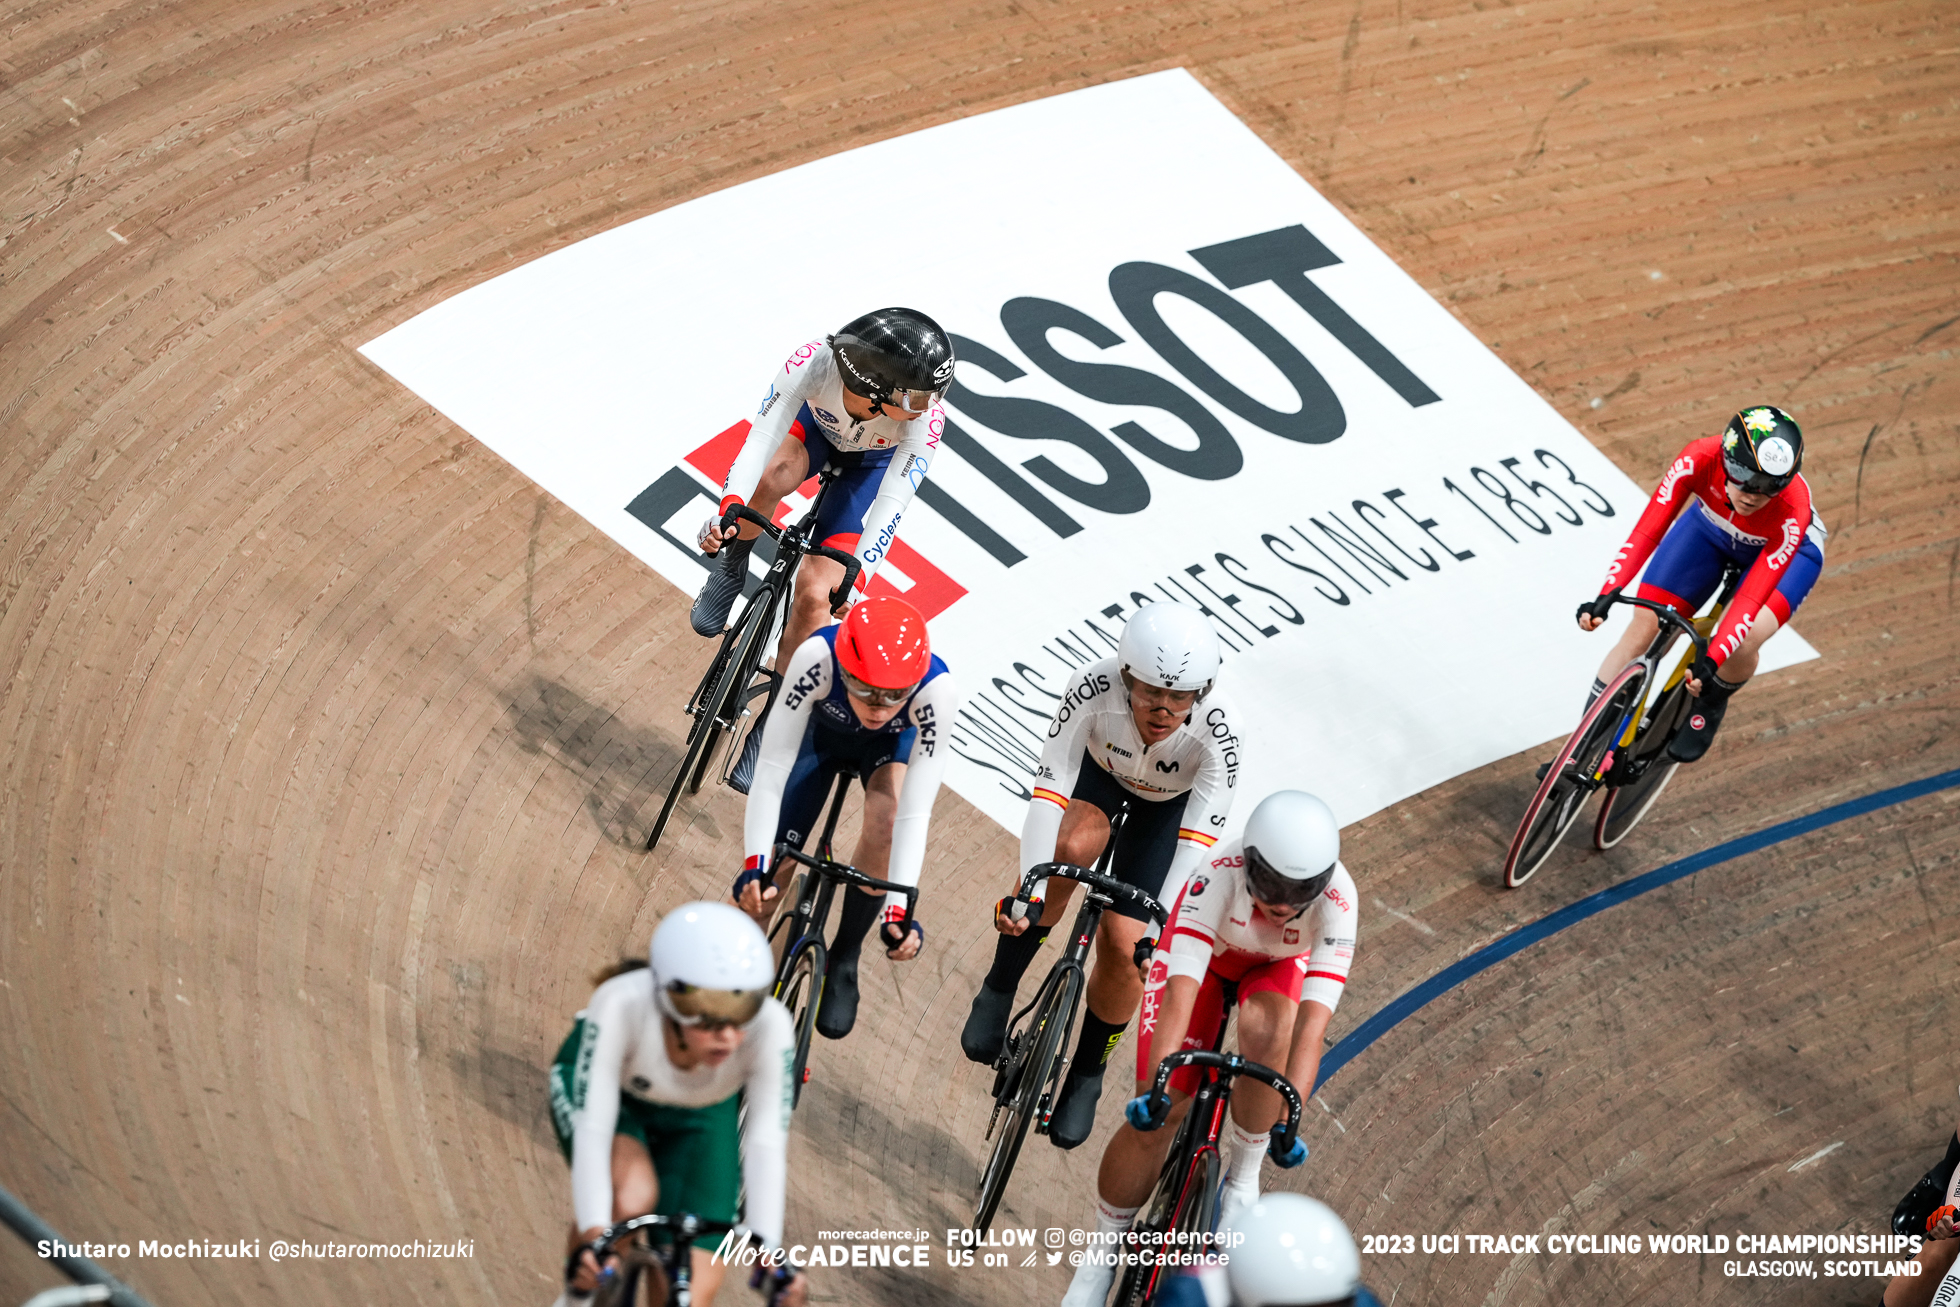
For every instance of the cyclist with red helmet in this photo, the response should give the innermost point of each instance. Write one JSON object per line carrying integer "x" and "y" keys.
{"x": 1268, "y": 925}
{"x": 865, "y": 399}
{"x": 869, "y": 697}
{"x": 1737, "y": 498}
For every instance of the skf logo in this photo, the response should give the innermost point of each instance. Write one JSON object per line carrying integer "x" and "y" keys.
{"x": 1339, "y": 902}
{"x": 1664, "y": 494}
{"x": 1167, "y": 766}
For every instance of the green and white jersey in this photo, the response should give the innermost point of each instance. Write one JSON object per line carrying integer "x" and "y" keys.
{"x": 622, "y": 1051}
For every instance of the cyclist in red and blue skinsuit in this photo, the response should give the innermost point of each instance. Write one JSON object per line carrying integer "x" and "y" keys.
{"x": 1736, "y": 498}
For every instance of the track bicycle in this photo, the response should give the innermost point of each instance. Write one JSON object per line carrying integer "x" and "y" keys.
{"x": 735, "y": 679}
{"x": 653, "y": 1250}
{"x": 805, "y": 960}
{"x": 1028, "y": 1072}
{"x": 1620, "y": 744}
{"x": 1185, "y": 1200}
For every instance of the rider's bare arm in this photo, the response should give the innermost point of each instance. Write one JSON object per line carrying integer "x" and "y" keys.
{"x": 1173, "y": 1021}
{"x": 1309, "y": 1034}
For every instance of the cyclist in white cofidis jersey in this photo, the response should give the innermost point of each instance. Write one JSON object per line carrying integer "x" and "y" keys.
{"x": 1269, "y": 923}
{"x": 1143, "y": 727}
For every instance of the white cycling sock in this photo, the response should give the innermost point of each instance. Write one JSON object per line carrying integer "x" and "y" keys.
{"x": 1112, "y": 1220}
{"x": 1093, "y": 1275}
{"x": 1245, "y": 1149}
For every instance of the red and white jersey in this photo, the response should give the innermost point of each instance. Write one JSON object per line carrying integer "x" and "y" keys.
{"x": 1697, "y": 481}
{"x": 1215, "y": 923}
{"x": 809, "y": 377}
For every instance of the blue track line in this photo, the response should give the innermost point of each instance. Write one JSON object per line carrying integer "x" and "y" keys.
{"x": 1385, "y": 1020}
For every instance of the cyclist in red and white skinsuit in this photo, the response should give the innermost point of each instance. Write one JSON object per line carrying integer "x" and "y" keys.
{"x": 1736, "y": 498}
{"x": 1268, "y": 923}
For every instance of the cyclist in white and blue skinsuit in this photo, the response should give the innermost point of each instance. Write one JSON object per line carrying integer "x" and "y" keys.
{"x": 868, "y": 698}
{"x": 866, "y": 399}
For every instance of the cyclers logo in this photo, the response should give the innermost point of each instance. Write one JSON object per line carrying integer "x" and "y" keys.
{"x": 1228, "y": 744}
{"x": 1078, "y": 694}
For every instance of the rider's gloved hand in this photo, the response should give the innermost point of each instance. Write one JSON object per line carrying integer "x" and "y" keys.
{"x": 1014, "y": 914}
{"x": 1596, "y": 609}
{"x": 582, "y": 1269}
{"x": 902, "y": 942}
{"x": 1702, "y": 676}
{"x": 1139, "y": 1112}
{"x": 752, "y": 888}
{"x": 1292, "y": 1157}
{"x": 780, "y": 1286}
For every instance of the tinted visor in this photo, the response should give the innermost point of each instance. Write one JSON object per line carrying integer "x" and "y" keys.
{"x": 874, "y": 695}
{"x": 914, "y": 401}
{"x": 715, "y": 1007}
{"x": 1754, "y": 480}
{"x": 1270, "y": 885}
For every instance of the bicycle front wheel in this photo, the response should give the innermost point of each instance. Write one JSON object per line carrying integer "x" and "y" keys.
{"x": 1032, "y": 1062}
{"x": 801, "y": 990}
{"x": 1624, "y": 805}
{"x": 1572, "y": 777}
{"x": 1184, "y": 1200}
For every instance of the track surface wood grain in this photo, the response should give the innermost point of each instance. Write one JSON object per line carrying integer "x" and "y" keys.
{"x": 333, "y": 738}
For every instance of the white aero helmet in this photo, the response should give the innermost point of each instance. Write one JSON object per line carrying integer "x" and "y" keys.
{"x": 711, "y": 964}
{"x": 1170, "y": 645}
{"x": 1292, "y": 845}
{"x": 1292, "y": 1250}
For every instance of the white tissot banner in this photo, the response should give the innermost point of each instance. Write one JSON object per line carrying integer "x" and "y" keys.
{"x": 1183, "y": 375}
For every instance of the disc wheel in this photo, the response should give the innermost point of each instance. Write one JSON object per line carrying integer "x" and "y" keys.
{"x": 801, "y": 990}
{"x": 1624, "y": 805}
{"x": 1033, "y": 1058}
{"x": 1569, "y": 780}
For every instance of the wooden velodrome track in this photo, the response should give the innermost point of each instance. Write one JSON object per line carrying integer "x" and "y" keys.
{"x": 332, "y": 739}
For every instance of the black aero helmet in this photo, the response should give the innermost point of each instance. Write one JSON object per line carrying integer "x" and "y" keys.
{"x": 895, "y": 356}
{"x": 1762, "y": 449}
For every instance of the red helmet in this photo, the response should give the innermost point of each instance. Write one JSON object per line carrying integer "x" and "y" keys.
{"x": 883, "y": 643}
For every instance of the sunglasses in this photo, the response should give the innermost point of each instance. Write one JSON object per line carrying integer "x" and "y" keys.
{"x": 876, "y": 696}
{"x": 714, "y": 1009}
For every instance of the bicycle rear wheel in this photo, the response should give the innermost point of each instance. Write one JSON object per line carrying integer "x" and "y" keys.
{"x": 801, "y": 990}
{"x": 1033, "y": 1058}
{"x": 1624, "y": 805}
{"x": 1571, "y": 777}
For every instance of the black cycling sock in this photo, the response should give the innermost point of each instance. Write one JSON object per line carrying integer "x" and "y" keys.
{"x": 1721, "y": 687}
{"x": 1095, "y": 1044}
{"x": 860, "y": 910}
{"x": 1592, "y": 695}
{"x": 1012, "y": 956}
